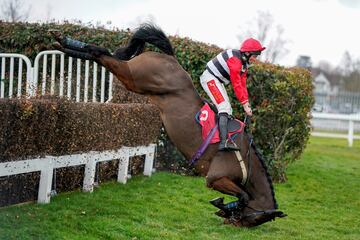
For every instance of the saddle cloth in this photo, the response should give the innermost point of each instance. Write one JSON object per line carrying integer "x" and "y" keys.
{"x": 207, "y": 119}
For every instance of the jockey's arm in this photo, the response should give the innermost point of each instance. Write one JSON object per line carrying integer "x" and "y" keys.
{"x": 238, "y": 80}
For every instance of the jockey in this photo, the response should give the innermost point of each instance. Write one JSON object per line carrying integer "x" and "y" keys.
{"x": 229, "y": 66}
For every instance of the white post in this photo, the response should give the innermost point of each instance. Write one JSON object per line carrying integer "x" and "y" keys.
{"x": 351, "y": 133}
{"x": 111, "y": 77}
{"x": 19, "y": 78}
{"x": 62, "y": 63}
{"x": 102, "y": 96}
{"x": 149, "y": 160}
{"x": 2, "y": 80}
{"x": 94, "y": 81}
{"x": 89, "y": 175}
{"x": 44, "y": 73}
{"x": 123, "y": 166}
{"x": 86, "y": 85}
{"x": 11, "y": 81}
{"x": 78, "y": 74}
{"x": 69, "y": 78}
{"x": 45, "y": 183}
{"x": 31, "y": 88}
{"x": 53, "y": 68}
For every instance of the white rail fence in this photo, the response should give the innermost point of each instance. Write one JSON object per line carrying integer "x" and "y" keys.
{"x": 47, "y": 164}
{"x": 92, "y": 82}
{"x": 58, "y": 79}
{"x": 339, "y": 122}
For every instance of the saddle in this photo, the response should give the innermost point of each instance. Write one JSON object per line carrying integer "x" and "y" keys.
{"x": 207, "y": 118}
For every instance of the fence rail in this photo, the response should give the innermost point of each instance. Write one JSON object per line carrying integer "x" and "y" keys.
{"x": 47, "y": 164}
{"x": 73, "y": 79}
{"x": 63, "y": 77}
{"x": 15, "y": 59}
{"x": 351, "y": 119}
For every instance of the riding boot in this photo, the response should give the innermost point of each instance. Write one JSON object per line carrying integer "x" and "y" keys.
{"x": 224, "y": 144}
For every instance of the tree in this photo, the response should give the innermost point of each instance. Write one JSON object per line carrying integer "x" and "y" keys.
{"x": 15, "y": 10}
{"x": 350, "y": 69}
{"x": 262, "y": 28}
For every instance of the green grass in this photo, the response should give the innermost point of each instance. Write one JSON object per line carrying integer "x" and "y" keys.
{"x": 321, "y": 198}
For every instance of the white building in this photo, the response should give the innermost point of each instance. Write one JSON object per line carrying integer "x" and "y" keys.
{"x": 323, "y": 85}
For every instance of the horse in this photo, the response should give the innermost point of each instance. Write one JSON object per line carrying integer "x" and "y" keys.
{"x": 160, "y": 77}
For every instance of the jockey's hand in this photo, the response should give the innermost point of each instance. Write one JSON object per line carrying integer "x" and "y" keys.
{"x": 247, "y": 109}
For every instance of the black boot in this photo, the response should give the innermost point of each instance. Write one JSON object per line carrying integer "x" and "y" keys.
{"x": 224, "y": 144}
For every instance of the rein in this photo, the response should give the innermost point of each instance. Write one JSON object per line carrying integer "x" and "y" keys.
{"x": 248, "y": 154}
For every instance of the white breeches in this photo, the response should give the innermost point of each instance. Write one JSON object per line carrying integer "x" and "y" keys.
{"x": 216, "y": 91}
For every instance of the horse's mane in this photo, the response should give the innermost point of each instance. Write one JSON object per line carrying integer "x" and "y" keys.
{"x": 268, "y": 177}
{"x": 146, "y": 33}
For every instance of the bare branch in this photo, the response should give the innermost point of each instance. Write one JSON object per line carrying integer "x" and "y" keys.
{"x": 15, "y": 10}
{"x": 262, "y": 28}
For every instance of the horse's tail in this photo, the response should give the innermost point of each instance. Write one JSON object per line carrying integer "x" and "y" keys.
{"x": 146, "y": 33}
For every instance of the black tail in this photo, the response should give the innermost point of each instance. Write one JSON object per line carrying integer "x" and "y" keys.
{"x": 146, "y": 33}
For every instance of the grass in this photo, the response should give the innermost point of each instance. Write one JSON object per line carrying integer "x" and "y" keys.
{"x": 321, "y": 198}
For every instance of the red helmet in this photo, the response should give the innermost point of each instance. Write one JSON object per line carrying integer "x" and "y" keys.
{"x": 251, "y": 45}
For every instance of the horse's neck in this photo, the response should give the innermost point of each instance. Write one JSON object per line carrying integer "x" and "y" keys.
{"x": 261, "y": 187}
{"x": 178, "y": 116}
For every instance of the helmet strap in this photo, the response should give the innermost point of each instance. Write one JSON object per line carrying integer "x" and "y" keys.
{"x": 245, "y": 57}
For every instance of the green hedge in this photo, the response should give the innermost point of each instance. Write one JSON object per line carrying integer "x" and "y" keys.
{"x": 30, "y": 128}
{"x": 39, "y": 127}
{"x": 281, "y": 97}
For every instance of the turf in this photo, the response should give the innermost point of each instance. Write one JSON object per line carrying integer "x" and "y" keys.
{"x": 321, "y": 198}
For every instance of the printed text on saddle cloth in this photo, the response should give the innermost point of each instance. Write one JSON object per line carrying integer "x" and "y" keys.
{"x": 208, "y": 121}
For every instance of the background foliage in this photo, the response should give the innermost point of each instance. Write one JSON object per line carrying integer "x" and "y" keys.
{"x": 281, "y": 97}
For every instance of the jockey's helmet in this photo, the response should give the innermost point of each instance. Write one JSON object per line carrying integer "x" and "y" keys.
{"x": 252, "y": 46}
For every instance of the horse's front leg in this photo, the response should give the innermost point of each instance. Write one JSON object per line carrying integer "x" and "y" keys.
{"x": 227, "y": 186}
{"x": 118, "y": 67}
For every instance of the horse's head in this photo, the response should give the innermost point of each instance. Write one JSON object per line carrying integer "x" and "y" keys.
{"x": 256, "y": 217}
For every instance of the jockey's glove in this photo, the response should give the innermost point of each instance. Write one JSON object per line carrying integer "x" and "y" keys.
{"x": 247, "y": 109}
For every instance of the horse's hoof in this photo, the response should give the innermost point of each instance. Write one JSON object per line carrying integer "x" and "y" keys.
{"x": 217, "y": 201}
{"x": 227, "y": 221}
{"x": 221, "y": 213}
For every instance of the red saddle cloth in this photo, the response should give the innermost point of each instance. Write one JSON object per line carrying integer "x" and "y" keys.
{"x": 207, "y": 119}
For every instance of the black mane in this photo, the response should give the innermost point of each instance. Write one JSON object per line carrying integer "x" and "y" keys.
{"x": 146, "y": 33}
{"x": 268, "y": 177}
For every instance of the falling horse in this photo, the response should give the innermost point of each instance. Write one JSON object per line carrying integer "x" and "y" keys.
{"x": 160, "y": 77}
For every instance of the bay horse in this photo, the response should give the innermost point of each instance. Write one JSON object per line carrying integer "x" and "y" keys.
{"x": 159, "y": 76}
